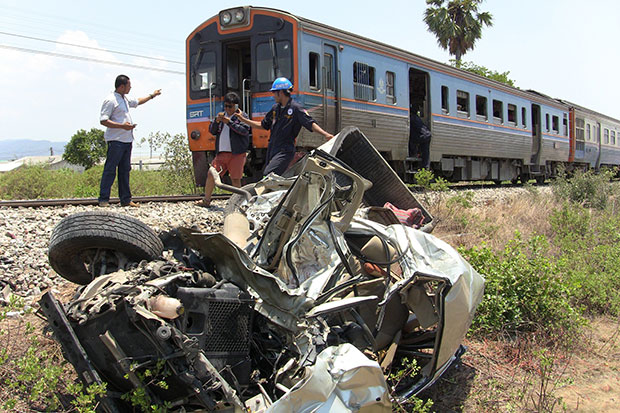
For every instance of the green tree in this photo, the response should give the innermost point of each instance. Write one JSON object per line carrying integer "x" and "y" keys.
{"x": 457, "y": 24}
{"x": 483, "y": 71}
{"x": 85, "y": 148}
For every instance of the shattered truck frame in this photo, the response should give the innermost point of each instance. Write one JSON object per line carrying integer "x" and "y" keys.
{"x": 310, "y": 296}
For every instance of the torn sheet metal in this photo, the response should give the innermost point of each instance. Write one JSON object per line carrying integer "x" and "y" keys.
{"x": 343, "y": 380}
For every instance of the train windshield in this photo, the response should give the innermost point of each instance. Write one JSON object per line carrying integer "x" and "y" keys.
{"x": 203, "y": 70}
{"x": 273, "y": 60}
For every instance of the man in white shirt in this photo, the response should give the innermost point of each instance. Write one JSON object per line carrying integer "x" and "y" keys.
{"x": 119, "y": 137}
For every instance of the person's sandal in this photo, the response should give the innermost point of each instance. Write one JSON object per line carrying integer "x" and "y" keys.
{"x": 203, "y": 203}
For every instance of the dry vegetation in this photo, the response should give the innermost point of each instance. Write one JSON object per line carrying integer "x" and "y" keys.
{"x": 509, "y": 370}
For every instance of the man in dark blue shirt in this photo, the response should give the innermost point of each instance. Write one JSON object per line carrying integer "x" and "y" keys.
{"x": 284, "y": 121}
{"x": 419, "y": 140}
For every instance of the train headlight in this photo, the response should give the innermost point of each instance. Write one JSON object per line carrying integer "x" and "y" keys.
{"x": 234, "y": 18}
{"x": 195, "y": 135}
{"x": 225, "y": 18}
{"x": 239, "y": 16}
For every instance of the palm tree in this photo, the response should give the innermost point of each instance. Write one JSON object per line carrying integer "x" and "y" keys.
{"x": 457, "y": 25}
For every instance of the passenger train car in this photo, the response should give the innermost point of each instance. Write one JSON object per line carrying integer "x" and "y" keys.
{"x": 481, "y": 129}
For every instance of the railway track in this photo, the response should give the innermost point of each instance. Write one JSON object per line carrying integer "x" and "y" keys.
{"x": 34, "y": 203}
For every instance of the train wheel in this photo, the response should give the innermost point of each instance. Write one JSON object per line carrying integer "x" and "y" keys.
{"x": 540, "y": 179}
{"x": 86, "y": 245}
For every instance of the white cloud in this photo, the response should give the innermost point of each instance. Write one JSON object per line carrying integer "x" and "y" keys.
{"x": 80, "y": 38}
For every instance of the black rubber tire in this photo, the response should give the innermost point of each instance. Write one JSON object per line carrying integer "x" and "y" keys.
{"x": 236, "y": 199}
{"x": 99, "y": 230}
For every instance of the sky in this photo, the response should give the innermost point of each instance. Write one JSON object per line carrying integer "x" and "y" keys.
{"x": 563, "y": 48}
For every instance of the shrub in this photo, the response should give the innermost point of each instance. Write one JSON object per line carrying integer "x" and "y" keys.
{"x": 524, "y": 290}
{"x": 27, "y": 182}
{"x": 589, "y": 256}
{"x": 587, "y": 188}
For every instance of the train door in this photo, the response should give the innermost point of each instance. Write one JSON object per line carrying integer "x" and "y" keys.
{"x": 237, "y": 58}
{"x": 597, "y": 136}
{"x": 536, "y": 135}
{"x": 419, "y": 101}
{"x": 331, "y": 90}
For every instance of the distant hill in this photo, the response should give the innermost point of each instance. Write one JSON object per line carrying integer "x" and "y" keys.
{"x": 18, "y": 148}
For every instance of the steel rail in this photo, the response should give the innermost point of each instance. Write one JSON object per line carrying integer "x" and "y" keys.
{"x": 32, "y": 203}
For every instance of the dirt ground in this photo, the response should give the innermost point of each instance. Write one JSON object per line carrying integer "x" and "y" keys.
{"x": 505, "y": 376}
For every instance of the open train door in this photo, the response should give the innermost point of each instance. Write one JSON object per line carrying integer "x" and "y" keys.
{"x": 418, "y": 95}
{"x": 597, "y": 136}
{"x": 419, "y": 103}
{"x": 536, "y": 139}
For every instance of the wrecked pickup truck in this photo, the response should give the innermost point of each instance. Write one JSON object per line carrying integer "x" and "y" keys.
{"x": 312, "y": 294}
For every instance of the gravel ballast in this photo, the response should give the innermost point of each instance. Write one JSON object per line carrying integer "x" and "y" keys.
{"x": 25, "y": 234}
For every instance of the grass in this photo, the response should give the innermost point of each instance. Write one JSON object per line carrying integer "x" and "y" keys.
{"x": 36, "y": 182}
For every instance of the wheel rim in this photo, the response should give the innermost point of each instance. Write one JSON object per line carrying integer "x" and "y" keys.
{"x": 100, "y": 261}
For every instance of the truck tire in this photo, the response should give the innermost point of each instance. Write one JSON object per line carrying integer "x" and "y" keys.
{"x": 88, "y": 244}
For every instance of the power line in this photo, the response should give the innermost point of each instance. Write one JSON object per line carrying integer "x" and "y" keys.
{"x": 89, "y": 47}
{"x": 88, "y": 59}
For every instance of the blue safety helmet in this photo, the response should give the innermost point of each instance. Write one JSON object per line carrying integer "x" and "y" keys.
{"x": 281, "y": 83}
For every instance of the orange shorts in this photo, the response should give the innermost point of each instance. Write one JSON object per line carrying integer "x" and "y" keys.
{"x": 231, "y": 162}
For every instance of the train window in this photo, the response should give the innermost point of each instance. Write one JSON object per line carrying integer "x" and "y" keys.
{"x": 512, "y": 114}
{"x": 390, "y": 96}
{"x": 267, "y": 66}
{"x": 481, "y": 108}
{"x": 445, "y": 108}
{"x": 588, "y": 133}
{"x": 232, "y": 68}
{"x": 329, "y": 71}
{"x": 203, "y": 70}
{"x": 565, "y": 125}
{"x": 555, "y": 124}
{"x": 580, "y": 129}
{"x": 606, "y": 136}
{"x": 313, "y": 72}
{"x": 524, "y": 117}
{"x": 363, "y": 81}
{"x": 547, "y": 122}
{"x": 613, "y": 137}
{"x": 462, "y": 103}
{"x": 498, "y": 111}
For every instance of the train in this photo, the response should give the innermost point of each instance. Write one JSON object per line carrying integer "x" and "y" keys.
{"x": 482, "y": 130}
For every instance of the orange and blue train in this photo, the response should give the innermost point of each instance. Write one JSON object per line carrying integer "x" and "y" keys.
{"x": 481, "y": 129}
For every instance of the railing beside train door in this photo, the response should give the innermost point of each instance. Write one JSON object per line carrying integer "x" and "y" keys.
{"x": 247, "y": 96}
{"x": 324, "y": 76}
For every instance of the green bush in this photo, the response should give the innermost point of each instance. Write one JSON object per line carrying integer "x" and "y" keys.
{"x": 587, "y": 188}
{"x": 524, "y": 290}
{"x": 589, "y": 256}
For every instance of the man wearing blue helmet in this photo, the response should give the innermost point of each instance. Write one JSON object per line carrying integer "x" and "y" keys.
{"x": 284, "y": 121}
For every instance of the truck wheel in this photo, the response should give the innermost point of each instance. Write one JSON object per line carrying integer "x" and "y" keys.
{"x": 86, "y": 245}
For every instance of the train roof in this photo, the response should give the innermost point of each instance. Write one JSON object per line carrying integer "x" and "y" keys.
{"x": 344, "y": 36}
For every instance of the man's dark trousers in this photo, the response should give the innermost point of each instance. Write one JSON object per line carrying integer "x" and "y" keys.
{"x": 118, "y": 156}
